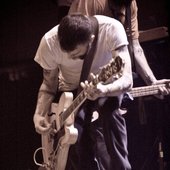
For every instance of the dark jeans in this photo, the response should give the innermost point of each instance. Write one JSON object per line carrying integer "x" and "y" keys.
{"x": 102, "y": 144}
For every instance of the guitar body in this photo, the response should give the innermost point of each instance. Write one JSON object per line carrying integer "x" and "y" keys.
{"x": 56, "y": 146}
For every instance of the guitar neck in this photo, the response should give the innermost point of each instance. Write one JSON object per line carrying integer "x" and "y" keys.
{"x": 78, "y": 101}
{"x": 146, "y": 90}
{"x": 135, "y": 92}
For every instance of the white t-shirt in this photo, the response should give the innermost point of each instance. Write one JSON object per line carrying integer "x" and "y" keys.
{"x": 50, "y": 56}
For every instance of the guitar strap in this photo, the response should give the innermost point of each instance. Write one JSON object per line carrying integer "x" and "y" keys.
{"x": 90, "y": 55}
{"x": 86, "y": 69}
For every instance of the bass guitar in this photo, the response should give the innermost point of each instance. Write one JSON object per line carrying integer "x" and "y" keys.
{"x": 148, "y": 90}
{"x": 141, "y": 92}
{"x": 137, "y": 92}
{"x": 55, "y": 146}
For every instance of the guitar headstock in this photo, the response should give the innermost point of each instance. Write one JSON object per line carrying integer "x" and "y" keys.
{"x": 113, "y": 69}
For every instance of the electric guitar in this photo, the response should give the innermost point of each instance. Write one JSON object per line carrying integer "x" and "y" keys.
{"x": 148, "y": 90}
{"x": 136, "y": 92}
{"x": 141, "y": 92}
{"x": 55, "y": 147}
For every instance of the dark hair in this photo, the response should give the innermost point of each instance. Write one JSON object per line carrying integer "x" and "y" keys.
{"x": 120, "y": 3}
{"x": 73, "y": 30}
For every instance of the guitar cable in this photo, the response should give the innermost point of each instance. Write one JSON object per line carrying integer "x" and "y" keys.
{"x": 35, "y": 161}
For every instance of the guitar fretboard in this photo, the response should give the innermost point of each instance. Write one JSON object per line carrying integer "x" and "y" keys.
{"x": 146, "y": 90}
{"x": 73, "y": 107}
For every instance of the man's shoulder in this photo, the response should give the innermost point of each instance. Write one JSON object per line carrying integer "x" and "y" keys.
{"x": 52, "y": 32}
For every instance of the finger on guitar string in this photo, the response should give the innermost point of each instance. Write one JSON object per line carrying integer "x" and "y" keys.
{"x": 164, "y": 90}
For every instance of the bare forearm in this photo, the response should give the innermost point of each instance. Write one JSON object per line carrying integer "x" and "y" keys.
{"x": 47, "y": 92}
{"x": 44, "y": 101}
{"x": 125, "y": 82}
{"x": 142, "y": 66}
{"x": 120, "y": 86}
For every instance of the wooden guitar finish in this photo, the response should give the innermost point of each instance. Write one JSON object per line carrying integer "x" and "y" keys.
{"x": 57, "y": 145}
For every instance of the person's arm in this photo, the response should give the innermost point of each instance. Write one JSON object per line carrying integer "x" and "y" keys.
{"x": 46, "y": 95}
{"x": 115, "y": 87}
{"x": 144, "y": 70}
{"x": 141, "y": 65}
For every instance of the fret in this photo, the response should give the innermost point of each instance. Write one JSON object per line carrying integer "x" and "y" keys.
{"x": 73, "y": 107}
{"x": 146, "y": 90}
{"x": 147, "y": 93}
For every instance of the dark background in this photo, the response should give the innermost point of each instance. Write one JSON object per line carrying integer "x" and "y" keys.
{"x": 22, "y": 24}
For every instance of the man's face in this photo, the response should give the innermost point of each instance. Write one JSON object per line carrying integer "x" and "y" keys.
{"x": 80, "y": 51}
